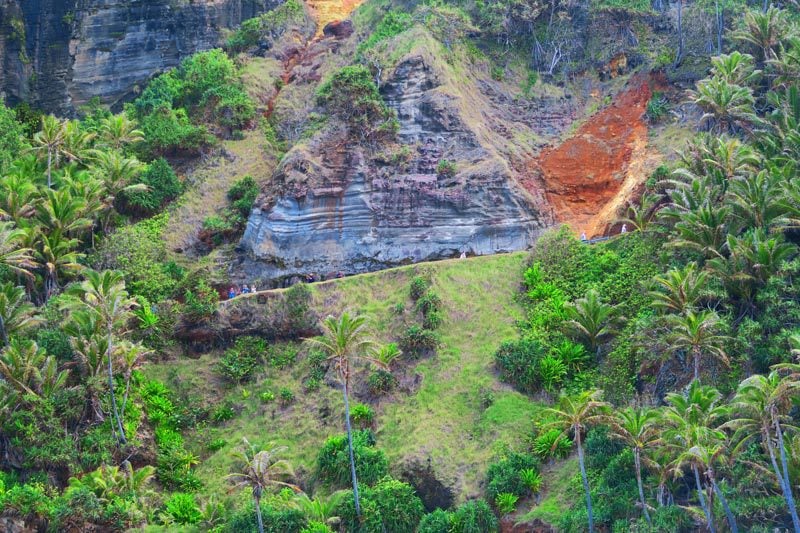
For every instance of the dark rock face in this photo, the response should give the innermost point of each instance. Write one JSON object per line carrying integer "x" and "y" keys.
{"x": 59, "y": 54}
{"x": 339, "y": 29}
{"x": 342, "y": 211}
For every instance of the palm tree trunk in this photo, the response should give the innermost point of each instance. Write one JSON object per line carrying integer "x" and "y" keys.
{"x": 703, "y": 502}
{"x": 3, "y": 332}
{"x": 724, "y": 502}
{"x": 114, "y": 408}
{"x": 696, "y": 355}
{"x": 585, "y": 481}
{"x": 350, "y": 446}
{"x": 787, "y": 495}
{"x": 637, "y": 462}
{"x": 49, "y": 166}
{"x": 679, "y": 53}
{"x": 258, "y": 514}
{"x": 719, "y": 27}
{"x": 787, "y": 482}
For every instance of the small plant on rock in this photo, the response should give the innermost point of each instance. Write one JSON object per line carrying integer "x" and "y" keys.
{"x": 506, "y": 502}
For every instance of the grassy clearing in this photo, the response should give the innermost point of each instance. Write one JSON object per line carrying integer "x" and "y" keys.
{"x": 558, "y": 493}
{"x": 443, "y": 420}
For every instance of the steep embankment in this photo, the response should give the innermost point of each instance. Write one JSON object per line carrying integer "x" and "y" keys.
{"x": 434, "y": 420}
{"x": 590, "y": 176}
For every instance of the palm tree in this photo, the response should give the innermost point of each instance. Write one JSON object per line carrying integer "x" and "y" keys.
{"x": 573, "y": 416}
{"x": 762, "y": 404}
{"x": 346, "y": 340}
{"x": 640, "y": 216}
{"x": 17, "y": 258}
{"x": 698, "y": 334}
{"x": 638, "y": 428}
{"x": 27, "y": 369}
{"x": 118, "y": 131}
{"x": 50, "y": 140}
{"x": 692, "y": 418}
{"x": 681, "y": 289}
{"x": 116, "y": 172}
{"x": 736, "y": 68}
{"x": 18, "y": 197}
{"x": 89, "y": 348}
{"x": 16, "y": 312}
{"x": 703, "y": 230}
{"x": 261, "y": 469}
{"x": 756, "y": 200}
{"x": 706, "y": 455}
{"x": 104, "y": 294}
{"x": 61, "y": 211}
{"x": 591, "y": 319}
{"x": 57, "y": 256}
{"x": 764, "y": 32}
{"x": 388, "y": 354}
{"x": 76, "y": 141}
{"x": 726, "y": 105}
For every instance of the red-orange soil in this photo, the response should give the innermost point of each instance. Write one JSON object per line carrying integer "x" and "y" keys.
{"x": 590, "y": 176}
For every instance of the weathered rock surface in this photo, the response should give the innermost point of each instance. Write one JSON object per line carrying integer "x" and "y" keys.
{"x": 343, "y": 211}
{"x": 59, "y": 54}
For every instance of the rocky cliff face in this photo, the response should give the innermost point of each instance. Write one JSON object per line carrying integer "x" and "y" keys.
{"x": 59, "y": 54}
{"x": 344, "y": 210}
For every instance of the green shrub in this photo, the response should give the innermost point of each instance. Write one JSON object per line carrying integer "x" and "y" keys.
{"x": 352, "y": 96}
{"x": 389, "y": 505}
{"x": 243, "y": 195}
{"x": 381, "y": 382}
{"x": 436, "y": 522}
{"x": 418, "y": 341}
{"x": 11, "y": 135}
{"x": 270, "y": 25}
{"x": 519, "y": 362}
{"x": 223, "y": 412}
{"x": 285, "y": 520}
{"x": 216, "y": 444}
{"x": 169, "y": 131}
{"x": 531, "y": 479}
{"x": 445, "y": 168}
{"x": 393, "y": 23}
{"x": 498, "y": 73}
{"x": 299, "y": 318}
{"x": 545, "y": 445}
{"x": 267, "y": 397}
{"x": 239, "y": 363}
{"x": 162, "y": 186}
{"x": 200, "y": 302}
{"x": 419, "y": 286}
{"x": 505, "y": 476}
{"x": 657, "y": 107}
{"x": 333, "y": 461}
{"x": 530, "y": 82}
{"x": 183, "y": 508}
{"x": 506, "y": 502}
{"x": 474, "y": 516}
{"x": 285, "y": 396}
{"x": 55, "y": 342}
{"x": 362, "y": 415}
{"x": 282, "y": 355}
{"x": 552, "y": 372}
{"x": 317, "y": 527}
{"x": 139, "y": 251}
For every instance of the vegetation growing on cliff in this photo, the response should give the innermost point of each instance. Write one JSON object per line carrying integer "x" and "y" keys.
{"x": 645, "y": 383}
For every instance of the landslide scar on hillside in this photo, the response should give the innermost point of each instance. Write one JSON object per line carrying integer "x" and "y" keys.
{"x": 588, "y": 177}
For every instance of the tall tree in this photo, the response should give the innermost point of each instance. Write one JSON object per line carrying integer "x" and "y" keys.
{"x": 639, "y": 429}
{"x": 697, "y": 333}
{"x": 104, "y": 294}
{"x": 118, "y": 131}
{"x": 261, "y": 469}
{"x": 346, "y": 340}
{"x": 573, "y": 416}
{"x": 762, "y": 406}
{"x": 680, "y": 289}
{"x": 50, "y": 140}
{"x": 591, "y": 319}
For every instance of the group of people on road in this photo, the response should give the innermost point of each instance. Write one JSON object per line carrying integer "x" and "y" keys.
{"x": 234, "y": 291}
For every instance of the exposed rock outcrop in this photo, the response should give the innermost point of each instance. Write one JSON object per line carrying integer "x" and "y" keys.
{"x": 343, "y": 210}
{"x": 59, "y": 54}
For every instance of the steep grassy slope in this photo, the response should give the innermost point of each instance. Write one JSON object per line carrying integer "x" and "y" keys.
{"x": 441, "y": 420}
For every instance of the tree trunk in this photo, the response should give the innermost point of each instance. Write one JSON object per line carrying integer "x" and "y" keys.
{"x": 114, "y": 408}
{"x": 719, "y": 27}
{"x": 703, "y": 503}
{"x": 49, "y": 166}
{"x": 724, "y": 502}
{"x": 3, "y": 333}
{"x": 350, "y": 446}
{"x": 637, "y": 462}
{"x": 585, "y": 480}
{"x": 778, "y": 473}
{"x": 696, "y": 355}
{"x": 679, "y": 54}
{"x": 787, "y": 482}
{"x": 258, "y": 514}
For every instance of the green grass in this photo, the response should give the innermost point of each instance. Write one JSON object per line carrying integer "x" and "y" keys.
{"x": 558, "y": 492}
{"x": 443, "y": 419}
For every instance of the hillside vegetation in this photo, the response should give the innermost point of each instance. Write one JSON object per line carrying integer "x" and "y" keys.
{"x": 645, "y": 382}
